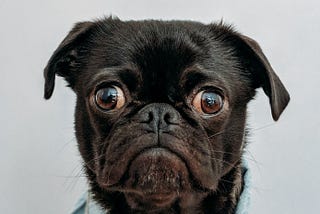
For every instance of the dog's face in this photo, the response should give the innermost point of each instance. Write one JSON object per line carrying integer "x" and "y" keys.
{"x": 161, "y": 106}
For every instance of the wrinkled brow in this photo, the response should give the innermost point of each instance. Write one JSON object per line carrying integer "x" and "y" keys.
{"x": 196, "y": 75}
{"x": 127, "y": 75}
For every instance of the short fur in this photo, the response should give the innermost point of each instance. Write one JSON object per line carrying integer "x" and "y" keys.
{"x": 157, "y": 144}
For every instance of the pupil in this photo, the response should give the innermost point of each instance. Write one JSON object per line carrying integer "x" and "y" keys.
{"x": 211, "y": 102}
{"x": 210, "y": 99}
{"x": 109, "y": 95}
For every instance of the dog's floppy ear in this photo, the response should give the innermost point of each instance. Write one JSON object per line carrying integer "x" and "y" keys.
{"x": 265, "y": 77}
{"x": 260, "y": 70}
{"x": 64, "y": 59}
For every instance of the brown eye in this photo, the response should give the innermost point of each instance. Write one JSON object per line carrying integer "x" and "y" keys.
{"x": 208, "y": 102}
{"x": 109, "y": 98}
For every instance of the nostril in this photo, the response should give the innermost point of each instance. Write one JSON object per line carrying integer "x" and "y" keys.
{"x": 146, "y": 117}
{"x": 171, "y": 118}
{"x": 150, "y": 117}
{"x": 158, "y": 116}
{"x": 167, "y": 118}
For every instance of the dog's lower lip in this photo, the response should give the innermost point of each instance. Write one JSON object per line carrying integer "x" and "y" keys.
{"x": 157, "y": 166}
{"x": 111, "y": 185}
{"x": 162, "y": 198}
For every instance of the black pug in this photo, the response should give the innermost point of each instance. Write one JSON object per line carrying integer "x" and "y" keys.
{"x": 161, "y": 111}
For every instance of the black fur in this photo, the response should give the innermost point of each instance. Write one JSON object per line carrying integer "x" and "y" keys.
{"x": 160, "y": 66}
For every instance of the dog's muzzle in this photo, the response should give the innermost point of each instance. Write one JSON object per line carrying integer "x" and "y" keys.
{"x": 158, "y": 161}
{"x": 157, "y": 175}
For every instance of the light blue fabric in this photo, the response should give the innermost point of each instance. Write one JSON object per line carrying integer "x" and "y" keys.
{"x": 244, "y": 201}
{"x": 86, "y": 205}
{"x": 80, "y": 206}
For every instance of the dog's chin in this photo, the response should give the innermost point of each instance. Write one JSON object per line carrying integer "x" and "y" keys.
{"x": 157, "y": 175}
{"x": 155, "y": 179}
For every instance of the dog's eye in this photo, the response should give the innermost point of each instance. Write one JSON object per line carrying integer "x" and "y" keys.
{"x": 208, "y": 102}
{"x": 109, "y": 98}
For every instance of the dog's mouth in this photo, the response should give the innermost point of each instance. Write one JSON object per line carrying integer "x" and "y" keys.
{"x": 157, "y": 175}
{"x": 157, "y": 170}
{"x": 150, "y": 168}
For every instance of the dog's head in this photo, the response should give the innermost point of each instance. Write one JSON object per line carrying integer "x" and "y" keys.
{"x": 161, "y": 106}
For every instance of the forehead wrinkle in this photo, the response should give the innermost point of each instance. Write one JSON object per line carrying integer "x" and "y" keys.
{"x": 209, "y": 76}
{"x": 103, "y": 74}
{"x": 109, "y": 74}
{"x": 217, "y": 78}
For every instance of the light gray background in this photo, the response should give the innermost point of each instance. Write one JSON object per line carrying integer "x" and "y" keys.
{"x": 40, "y": 170}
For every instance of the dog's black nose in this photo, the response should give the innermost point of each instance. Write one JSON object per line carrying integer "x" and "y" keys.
{"x": 158, "y": 116}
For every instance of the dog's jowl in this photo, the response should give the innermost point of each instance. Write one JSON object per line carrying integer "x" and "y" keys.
{"x": 161, "y": 111}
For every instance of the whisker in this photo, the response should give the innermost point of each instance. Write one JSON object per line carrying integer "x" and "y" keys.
{"x": 232, "y": 131}
{"x": 66, "y": 144}
{"x": 72, "y": 180}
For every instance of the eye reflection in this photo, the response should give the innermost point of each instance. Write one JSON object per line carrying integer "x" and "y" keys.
{"x": 208, "y": 102}
{"x": 109, "y": 98}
